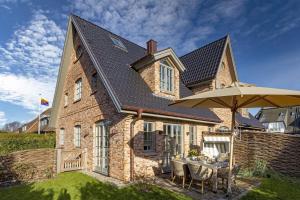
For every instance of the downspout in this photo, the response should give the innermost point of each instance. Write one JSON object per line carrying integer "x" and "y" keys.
{"x": 132, "y": 124}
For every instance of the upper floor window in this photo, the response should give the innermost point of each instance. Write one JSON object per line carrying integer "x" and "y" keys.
{"x": 77, "y": 134}
{"x": 149, "y": 136}
{"x": 61, "y": 136}
{"x": 79, "y": 51}
{"x": 166, "y": 76}
{"x": 66, "y": 99}
{"x": 223, "y": 66}
{"x": 193, "y": 135}
{"x": 94, "y": 81}
{"x": 78, "y": 89}
{"x": 117, "y": 42}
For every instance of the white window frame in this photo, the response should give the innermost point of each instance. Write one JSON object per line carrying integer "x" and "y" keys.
{"x": 61, "y": 136}
{"x": 78, "y": 90}
{"x": 66, "y": 99}
{"x": 77, "y": 136}
{"x": 166, "y": 77}
{"x": 193, "y": 135}
{"x": 149, "y": 137}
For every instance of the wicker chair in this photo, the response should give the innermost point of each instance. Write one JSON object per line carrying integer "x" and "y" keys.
{"x": 199, "y": 173}
{"x": 223, "y": 173}
{"x": 178, "y": 169}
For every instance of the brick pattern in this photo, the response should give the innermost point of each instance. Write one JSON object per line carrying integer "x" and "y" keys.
{"x": 94, "y": 106}
{"x": 27, "y": 165}
{"x": 280, "y": 151}
{"x": 151, "y": 75}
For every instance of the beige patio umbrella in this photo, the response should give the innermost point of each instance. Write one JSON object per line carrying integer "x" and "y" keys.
{"x": 240, "y": 95}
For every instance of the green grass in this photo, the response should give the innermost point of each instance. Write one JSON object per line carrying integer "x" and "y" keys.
{"x": 75, "y": 185}
{"x": 11, "y": 142}
{"x": 276, "y": 187}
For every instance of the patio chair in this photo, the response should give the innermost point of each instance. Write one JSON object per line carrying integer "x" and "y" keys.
{"x": 223, "y": 173}
{"x": 199, "y": 173}
{"x": 178, "y": 169}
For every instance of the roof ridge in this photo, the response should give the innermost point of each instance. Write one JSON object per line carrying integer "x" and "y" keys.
{"x": 73, "y": 15}
{"x": 226, "y": 36}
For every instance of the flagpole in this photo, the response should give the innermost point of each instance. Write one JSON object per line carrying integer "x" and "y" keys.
{"x": 39, "y": 128}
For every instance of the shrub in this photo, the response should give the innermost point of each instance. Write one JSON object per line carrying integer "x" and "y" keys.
{"x": 193, "y": 152}
{"x": 11, "y": 142}
{"x": 260, "y": 169}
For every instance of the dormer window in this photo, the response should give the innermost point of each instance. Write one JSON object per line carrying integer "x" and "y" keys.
{"x": 166, "y": 76}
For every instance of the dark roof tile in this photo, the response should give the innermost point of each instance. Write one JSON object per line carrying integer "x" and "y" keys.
{"x": 202, "y": 64}
{"x": 128, "y": 86}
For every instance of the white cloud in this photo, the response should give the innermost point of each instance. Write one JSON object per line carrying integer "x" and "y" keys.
{"x": 34, "y": 49}
{"x": 29, "y": 62}
{"x": 2, "y": 118}
{"x": 176, "y": 24}
{"x": 24, "y": 91}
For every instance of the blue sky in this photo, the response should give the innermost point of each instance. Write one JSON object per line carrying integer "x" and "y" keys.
{"x": 264, "y": 35}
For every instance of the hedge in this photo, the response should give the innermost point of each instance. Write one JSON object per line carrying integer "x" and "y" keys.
{"x": 11, "y": 142}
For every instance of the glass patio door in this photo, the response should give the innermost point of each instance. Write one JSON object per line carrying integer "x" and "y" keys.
{"x": 173, "y": 144}
{"x": 101, "y": 149}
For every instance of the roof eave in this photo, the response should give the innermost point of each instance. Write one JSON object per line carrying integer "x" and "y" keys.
{"x": 148, "y": 59}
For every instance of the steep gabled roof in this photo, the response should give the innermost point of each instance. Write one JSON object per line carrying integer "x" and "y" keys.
{"x": 202, "y": 64}
{"x": 125, "y": 86}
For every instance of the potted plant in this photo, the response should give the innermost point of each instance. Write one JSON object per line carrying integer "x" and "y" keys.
{"x": 193, "y": 153}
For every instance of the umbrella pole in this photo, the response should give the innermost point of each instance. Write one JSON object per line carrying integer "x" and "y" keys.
{"x": 229, "y": 192}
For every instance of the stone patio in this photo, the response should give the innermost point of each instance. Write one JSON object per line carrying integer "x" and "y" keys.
{"x": 243, "y": 185}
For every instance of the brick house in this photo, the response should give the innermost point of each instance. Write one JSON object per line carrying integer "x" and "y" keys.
{"x": 110, "y": 108}
{"x": 33, "y": 125}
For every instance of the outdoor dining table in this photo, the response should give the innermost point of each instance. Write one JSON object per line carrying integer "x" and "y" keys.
{"x": 214, "y": 166}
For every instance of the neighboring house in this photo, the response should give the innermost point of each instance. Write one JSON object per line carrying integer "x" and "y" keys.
{"x": 112, "y": 96}
{"x": 280, "y": 120}
{"x": 32, "y": 126}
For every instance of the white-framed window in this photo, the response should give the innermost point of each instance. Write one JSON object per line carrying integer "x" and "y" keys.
{"x": 61, "y": 136}
{"x": 77, "y": 133}
{"x": 193, "y": 136}
{"x": 66, "y": 99}
{"x": 94, "y": 81}
{"x": 223, "y": 66}
{"x": 166, "y": 76}
{"x": 174, "y": 138}
{"x": 79, "y": 52}
{"x": 78, "y": 89}
{"x": 149, "y": 137}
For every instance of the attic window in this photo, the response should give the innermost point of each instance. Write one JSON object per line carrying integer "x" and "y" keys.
{"x": 117, "y": 42}
{"x": 223, "y": 66}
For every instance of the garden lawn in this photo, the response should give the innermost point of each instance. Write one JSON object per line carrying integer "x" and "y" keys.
{"x": 276, "y": 187}
{"x": 74, "y": 185}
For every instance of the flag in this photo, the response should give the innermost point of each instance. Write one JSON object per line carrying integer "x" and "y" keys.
{"x": 44, "y": 102}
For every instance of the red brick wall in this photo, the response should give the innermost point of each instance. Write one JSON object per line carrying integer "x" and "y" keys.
{"x": 281, "y": 151}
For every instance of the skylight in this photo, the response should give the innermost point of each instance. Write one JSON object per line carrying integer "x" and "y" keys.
{"x": 117, "y": 42}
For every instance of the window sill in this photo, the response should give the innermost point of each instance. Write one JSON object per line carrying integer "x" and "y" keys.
{"x": 75, "y": 101}
{"x": 167, "y": 92}
{"x": 93, "y": 92}
{"x": 152, "y": 153}
{"x": 75, "y": 61}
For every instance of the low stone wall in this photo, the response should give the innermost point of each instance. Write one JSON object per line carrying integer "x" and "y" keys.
{"x": 27, "y": 166}
{"x": 280, "y": 151}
